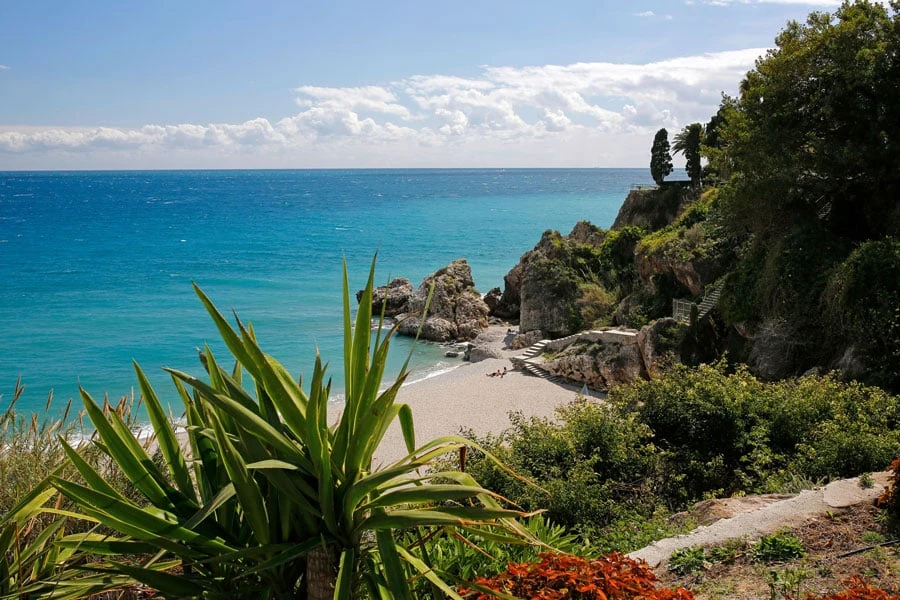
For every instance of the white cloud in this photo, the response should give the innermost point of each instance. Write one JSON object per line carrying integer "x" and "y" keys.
{"x": 646, "y": 13}
{"x": 426, "y": 120}
{"x": 4, "y": 67}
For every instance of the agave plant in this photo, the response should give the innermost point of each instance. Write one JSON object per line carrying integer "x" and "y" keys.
{"x": 36, "y": 561}
{"x": 268, "y": 500}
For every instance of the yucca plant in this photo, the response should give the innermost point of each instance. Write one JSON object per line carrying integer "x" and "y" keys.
{"x": 270, "y": 501}
{"x": 36, "y": 561}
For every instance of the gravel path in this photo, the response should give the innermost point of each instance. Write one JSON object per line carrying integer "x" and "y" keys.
{"x": 769, "y": 518}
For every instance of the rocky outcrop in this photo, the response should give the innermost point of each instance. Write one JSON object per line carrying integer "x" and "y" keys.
{"x": 658, "y": 339}
{"x": 651, "y": 209}
{"x": 393, "y": 297}
{"x": 456, "y": 312}
{"x": 604, "y": 362}
{"x": 548, "y": 297}
{"x": 542, "y": 288}
{"x": 492, "y": 299}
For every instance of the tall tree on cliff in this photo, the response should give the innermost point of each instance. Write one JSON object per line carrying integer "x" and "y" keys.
{"x": 687, "y": 143}
{"x": 660, "y": 157}
{"x": 816, "y": 133}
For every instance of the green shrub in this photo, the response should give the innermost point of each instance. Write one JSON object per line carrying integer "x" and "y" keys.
{"x": 721, "y": 433}
{"x": 834, "y": 429}
{"x": 705, "y": 422}
{"x": 595, "y": 305}
{"x": 778, "y": 547}
{"x": 686, "y": 561}
{"x": 591, "y": 466}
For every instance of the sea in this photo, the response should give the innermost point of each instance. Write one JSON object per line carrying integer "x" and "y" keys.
{"x": 96, "y": 267}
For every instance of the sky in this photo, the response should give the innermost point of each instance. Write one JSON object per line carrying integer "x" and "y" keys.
{"x": 104, "y": 84}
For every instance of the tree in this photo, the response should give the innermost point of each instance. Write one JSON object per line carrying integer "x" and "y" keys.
{"x": 687, "y": 143}
{"x": 660, "y": 158}
{"x": 815, "y": 135}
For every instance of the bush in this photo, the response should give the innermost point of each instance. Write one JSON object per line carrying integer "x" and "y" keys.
{"x": 722, "y": 433}
{"x": 704, "y": 421}
{"x": 595, "y": 305}
{"x": 466, "y": 559}
{"x": 592, "y": 465}
{"x": 778, "y": 547}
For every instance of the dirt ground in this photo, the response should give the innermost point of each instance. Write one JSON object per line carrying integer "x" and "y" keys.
{"x": 820, "y": 571}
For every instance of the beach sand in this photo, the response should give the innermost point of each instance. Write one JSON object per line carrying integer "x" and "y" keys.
{"x": 464, "y": 398}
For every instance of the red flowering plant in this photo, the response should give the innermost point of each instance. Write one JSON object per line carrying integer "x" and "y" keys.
{"x": 890, "y": 499}
{"x": 858, "y": 588}
{"x": 564, "y": 577}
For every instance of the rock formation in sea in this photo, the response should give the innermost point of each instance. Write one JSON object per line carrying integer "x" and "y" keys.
{"x": 393, "y": 297}
{"x": 456, "y": 312}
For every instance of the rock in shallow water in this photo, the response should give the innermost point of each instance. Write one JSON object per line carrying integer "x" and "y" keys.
{"x": 394, "y": 297}
{"x": 456, "y": 312}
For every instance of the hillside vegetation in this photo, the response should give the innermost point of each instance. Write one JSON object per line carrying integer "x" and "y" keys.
{"x": 796, "y": 214}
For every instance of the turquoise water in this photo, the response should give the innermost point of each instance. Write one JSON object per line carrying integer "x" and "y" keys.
{"x": 96, "y": 267}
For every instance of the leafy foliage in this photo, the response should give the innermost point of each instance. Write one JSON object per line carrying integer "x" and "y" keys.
{"x": 610, "y": 472}
{"x": 778, "y": 547}
{"x": 560, "y": 577}
{"x": 810, "y": 136}
{"x": 466, "y": 559}
{"x": 862, "y": 302}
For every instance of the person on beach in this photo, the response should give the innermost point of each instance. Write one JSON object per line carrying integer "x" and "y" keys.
{"x": 503, "y": 374}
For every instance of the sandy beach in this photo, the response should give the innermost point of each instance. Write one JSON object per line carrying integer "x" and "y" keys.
{"x": 465, "y": 398}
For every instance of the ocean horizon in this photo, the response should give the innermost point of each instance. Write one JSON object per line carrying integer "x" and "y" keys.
{"x": 97, "y": 265}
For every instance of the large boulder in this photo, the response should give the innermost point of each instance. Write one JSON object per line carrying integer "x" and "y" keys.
{"x": 456, "y": 312}
{"x": 393, "y": 297}
{"x": 542, "y": 288}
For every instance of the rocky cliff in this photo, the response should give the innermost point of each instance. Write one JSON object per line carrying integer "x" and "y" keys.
{"x": 652, "y": 209}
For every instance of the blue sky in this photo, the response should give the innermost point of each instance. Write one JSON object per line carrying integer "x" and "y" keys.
{"x": 167, "y": 84}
